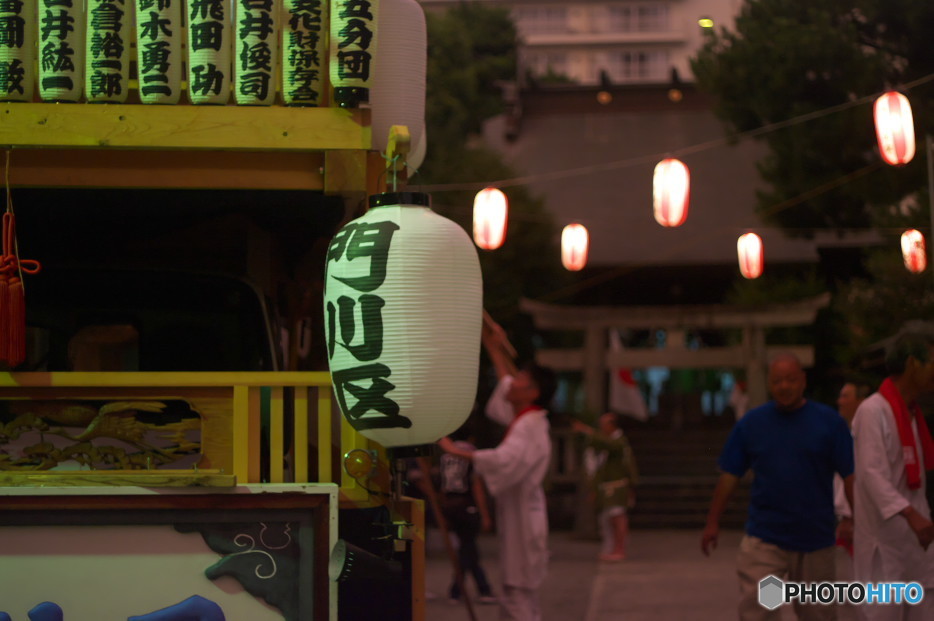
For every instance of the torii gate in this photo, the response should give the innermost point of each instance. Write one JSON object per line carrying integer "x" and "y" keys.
{"x": 595, "y": 359}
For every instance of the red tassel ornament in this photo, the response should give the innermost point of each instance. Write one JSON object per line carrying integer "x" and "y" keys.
{"x": 12, "y": 297}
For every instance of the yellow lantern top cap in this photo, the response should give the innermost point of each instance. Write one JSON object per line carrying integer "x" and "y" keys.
{"x": 420, "y": 199}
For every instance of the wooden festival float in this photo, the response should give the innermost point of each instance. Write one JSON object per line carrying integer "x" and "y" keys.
{"x": 143, "y": 494}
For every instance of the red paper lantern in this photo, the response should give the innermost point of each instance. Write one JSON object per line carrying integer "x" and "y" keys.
{"x": 895, "y": 129}
{"x": 751, "y": 259}
{"x": 671, "y": 189}
{"x": 490, "y": 215}
{"x": 914, "y": 251}
{"x": 574, "y": 244}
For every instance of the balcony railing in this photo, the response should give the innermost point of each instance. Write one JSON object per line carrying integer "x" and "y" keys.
{"x": 135, "y": 428}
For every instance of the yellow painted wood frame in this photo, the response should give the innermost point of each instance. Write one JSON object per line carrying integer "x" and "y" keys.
{"x": 230, "y": 405}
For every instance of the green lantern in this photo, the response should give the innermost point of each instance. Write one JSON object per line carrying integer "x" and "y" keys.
{"x": 159, "y": 50}
{"x": 18, "y": 55}
{"x": 209, "y": 48}
{"x": 61, "y": 50}
{"x": 257, "y": 51}
{"x": 304, "y": 48}
{"x": 403, "y": 311}
{"x": 353, "y": 49}
{"x": 107, "y": 74}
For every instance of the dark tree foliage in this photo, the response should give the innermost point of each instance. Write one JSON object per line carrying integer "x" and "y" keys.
{"x": 784, "y": 59}
{"x": 471, "y": 52}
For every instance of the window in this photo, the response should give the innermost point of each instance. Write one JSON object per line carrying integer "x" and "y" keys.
{"x": 639, "y": 17}
{"x": 541, "y": 19}
{"x": 638, "y": 66}
{"x": 548, "y": 63}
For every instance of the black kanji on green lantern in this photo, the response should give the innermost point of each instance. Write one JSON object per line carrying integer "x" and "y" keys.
{"x": 366, "y": 382}
{"x": 206, "y": 79}
{"x": 12, "y": 75}
{"x": 364, "y": 240}
{"x": 204, "y": 9}
{"x": 372, "y": 320}
{"x": 56, "y": 24}
{"x": 369, "y": 398}
{"x": 302, "y": 73}
{"x": 12, "y": 27}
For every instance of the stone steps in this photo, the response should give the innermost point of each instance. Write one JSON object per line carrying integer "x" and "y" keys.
{"x": 682, "y": 502}
{"x": 677, "y": 475}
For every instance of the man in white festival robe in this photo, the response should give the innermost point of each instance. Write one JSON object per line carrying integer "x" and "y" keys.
{"x": 513, "y": 472}
{"x": 893, "y": 526}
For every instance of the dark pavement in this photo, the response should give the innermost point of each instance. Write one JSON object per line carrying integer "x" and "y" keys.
{"x": 664, "y": 578}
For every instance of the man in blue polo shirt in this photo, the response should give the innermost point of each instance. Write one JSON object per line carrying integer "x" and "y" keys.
{"x": 793, "y": 446}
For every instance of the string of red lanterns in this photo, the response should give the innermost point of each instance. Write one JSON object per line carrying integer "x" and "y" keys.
{"x": 894, "y": 126}
{"x": 895, "y": 133}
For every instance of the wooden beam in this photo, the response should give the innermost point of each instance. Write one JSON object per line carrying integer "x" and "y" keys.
{"x": 557, "y": 317}
{"x": 103, "y": 478}
{"x": 244, "y": 128}
{"x": 166, "y": 379}
{"x": 346, "y": 173}
{"x": 113, "y": 168}
{"x": 707, "y": 358}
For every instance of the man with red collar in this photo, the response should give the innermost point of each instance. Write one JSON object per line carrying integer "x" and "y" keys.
{"x": 893, "y": 451}
{"x": 513, "y": 472}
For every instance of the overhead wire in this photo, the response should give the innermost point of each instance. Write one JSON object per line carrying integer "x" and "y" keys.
{"x": 616, "y": 271}
{"x": 654, "y": 157}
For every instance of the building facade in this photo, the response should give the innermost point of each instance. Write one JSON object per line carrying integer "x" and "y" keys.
{"x": 620, "y": 42}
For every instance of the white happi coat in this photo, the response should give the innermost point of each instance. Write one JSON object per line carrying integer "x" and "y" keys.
{"x": 513, "y": 472}
{"x": 841, "y": 506}
{"x": 885, "y": 547}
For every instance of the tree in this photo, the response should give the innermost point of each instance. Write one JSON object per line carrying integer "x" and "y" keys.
{"x": 471, "y": 51}
{"x": 465, "y": 67}
{"x": 873, "y": 308}
{"x": 784, "y": 59}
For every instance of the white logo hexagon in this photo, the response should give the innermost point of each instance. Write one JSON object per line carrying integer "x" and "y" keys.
{"x": 771, "y": 592}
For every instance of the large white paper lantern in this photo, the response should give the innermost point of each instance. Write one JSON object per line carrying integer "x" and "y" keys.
{"x": 750, "y": 255}
{"x": 417, "y": 155}
{"x": 490, "y": 215}
{"x": 671, "y": 190}
{"x": 575, "y": 244}
{"x": 895, "y": 130}
{"x": 397, "y": 92}
{"x": 18, "y": 53}
{"x": 914, "y": 252}
{"x": 61, "y": 50}
{"x": 403, "y": 313}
